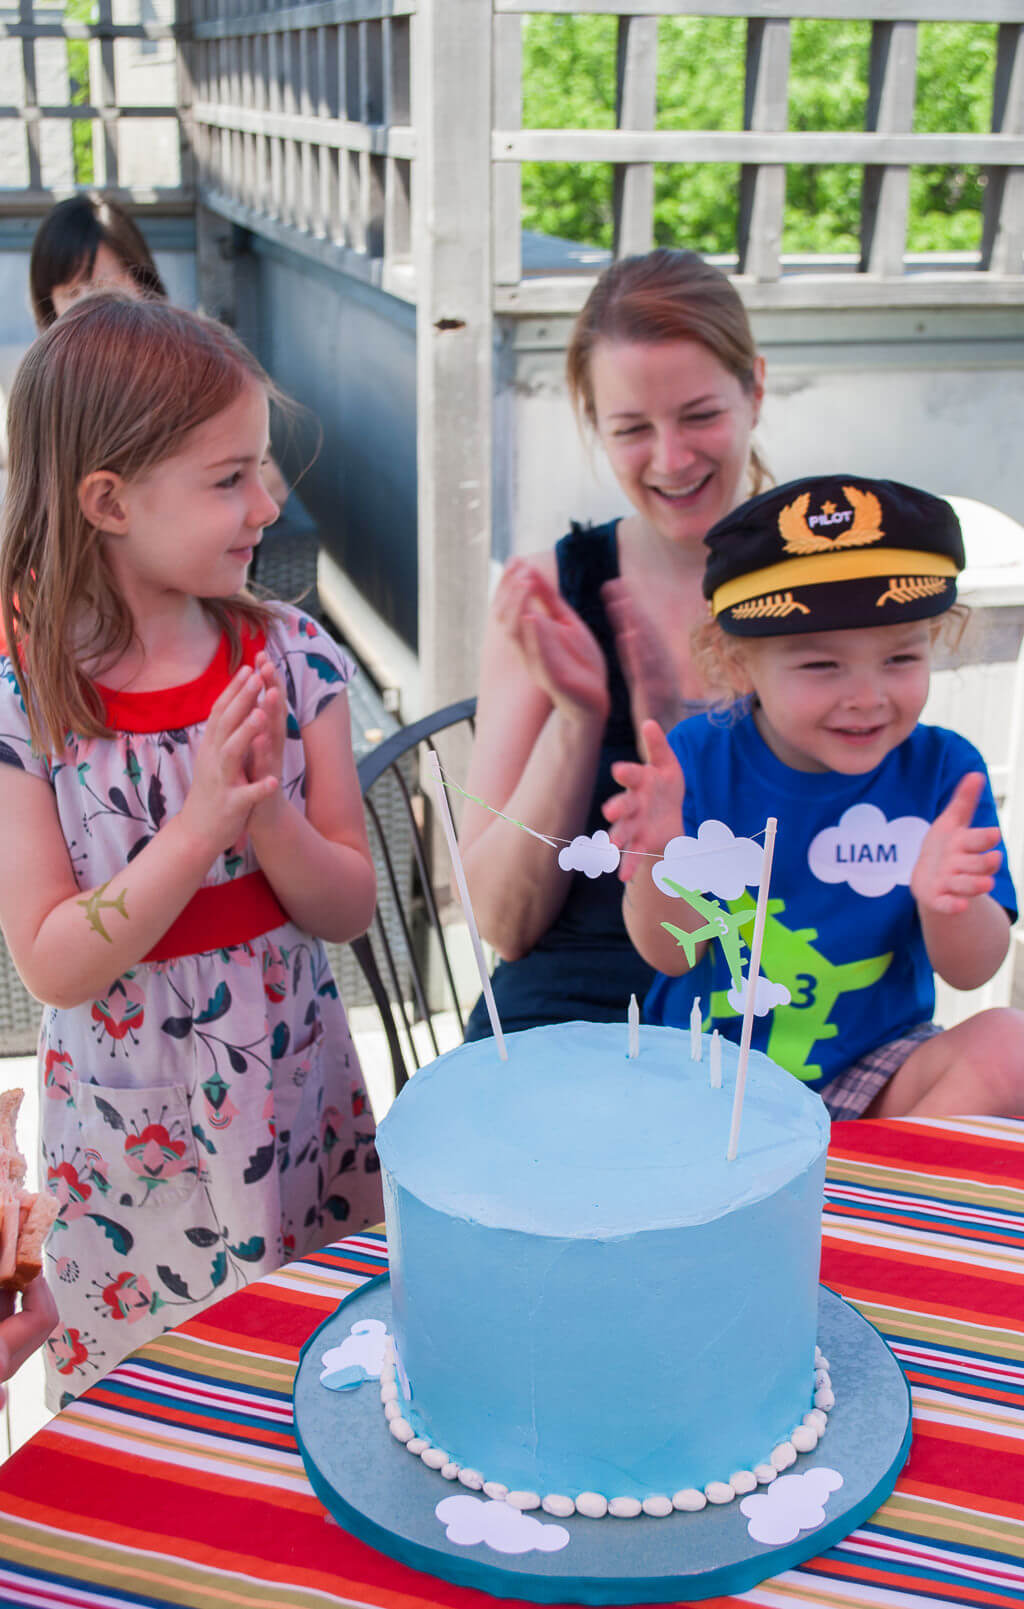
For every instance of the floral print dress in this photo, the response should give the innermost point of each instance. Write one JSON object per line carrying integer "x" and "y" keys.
{"x": 204, "y": 1119}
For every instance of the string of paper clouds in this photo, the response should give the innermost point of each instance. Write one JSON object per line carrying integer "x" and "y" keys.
{"x": 715, "y": 862}
{"x": 595, "y": 855}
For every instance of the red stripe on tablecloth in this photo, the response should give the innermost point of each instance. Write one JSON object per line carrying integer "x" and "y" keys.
{"x": 877, "y": 1276}
{"x": 954, "y": 1465}
{"x": 220, "y": 1530}
{"x": 962, "y": 1591}
{"x": 915, "y": 1148}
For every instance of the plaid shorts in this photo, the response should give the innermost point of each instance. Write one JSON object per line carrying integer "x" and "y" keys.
{"x": 851, "y": 1092}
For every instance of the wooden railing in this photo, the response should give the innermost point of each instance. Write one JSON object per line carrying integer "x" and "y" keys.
{"x": 301, "y": 126}
{"x": 39, "y": 108}
{"x": 304, "y": 130}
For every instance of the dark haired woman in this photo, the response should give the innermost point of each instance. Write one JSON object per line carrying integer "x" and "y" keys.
{"x": 87, "y": 243}
{"x": 585, "y": 643}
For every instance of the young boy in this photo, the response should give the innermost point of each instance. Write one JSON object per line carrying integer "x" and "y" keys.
{"x": 824, "y": 597}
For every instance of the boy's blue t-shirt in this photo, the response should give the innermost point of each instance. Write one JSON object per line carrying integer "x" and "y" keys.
{"x": 842, "y": 933}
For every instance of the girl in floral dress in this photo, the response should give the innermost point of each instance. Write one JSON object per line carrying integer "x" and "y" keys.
{"x": 182, "y": 815}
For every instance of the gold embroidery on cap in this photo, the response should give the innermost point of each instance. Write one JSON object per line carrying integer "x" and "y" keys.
{"x": 908, "y": 588}
{"x": 775, "y": 606}
{"x": 797, "y": 536}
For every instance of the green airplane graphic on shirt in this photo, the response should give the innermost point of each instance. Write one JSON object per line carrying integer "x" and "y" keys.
{"x": 718, "y": 924}
{"x": 814, "y": 983}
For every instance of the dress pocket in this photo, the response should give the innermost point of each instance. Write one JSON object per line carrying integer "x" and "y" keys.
{"x": 137, "y": 1144}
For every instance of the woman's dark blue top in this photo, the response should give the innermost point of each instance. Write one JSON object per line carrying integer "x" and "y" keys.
{"x": 584, "y": 968}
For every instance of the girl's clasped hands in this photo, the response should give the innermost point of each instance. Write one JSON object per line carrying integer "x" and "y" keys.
{"x": 238, "y": 762}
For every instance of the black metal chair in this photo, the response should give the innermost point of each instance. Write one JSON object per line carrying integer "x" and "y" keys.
{"x": 406, "y": 958}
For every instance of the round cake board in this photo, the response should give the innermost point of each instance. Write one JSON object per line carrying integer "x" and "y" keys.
{"x": 386, "y": 1496}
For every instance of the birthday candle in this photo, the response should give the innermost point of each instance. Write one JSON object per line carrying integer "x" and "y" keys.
{"x": 716, "y": 1060}
{"x": 633, "y": 1018}
{"x": 695, "y": 1038}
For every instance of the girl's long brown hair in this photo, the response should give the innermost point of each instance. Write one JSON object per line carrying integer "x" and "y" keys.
{"x": 664, "y": 296}
{"x": 116, "y": 384}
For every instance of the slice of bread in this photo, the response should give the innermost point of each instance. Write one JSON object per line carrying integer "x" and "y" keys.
{"x": 25, "y": 1216}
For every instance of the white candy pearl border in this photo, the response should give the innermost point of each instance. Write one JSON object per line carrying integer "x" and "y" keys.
{"x": 803, "y": 1438}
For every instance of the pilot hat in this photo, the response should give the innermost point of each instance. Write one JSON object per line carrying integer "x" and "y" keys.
{"x": 831, "y": 552}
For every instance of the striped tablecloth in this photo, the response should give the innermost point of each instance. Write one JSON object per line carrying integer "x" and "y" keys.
{"x": 177, "y": 1481}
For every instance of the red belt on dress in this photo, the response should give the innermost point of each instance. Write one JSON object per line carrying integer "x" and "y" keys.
{"x": 222, "y": 915}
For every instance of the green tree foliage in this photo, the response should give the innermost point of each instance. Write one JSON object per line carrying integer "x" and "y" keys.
{"x": 78, "y": 77}
{"x": 569, "y": 82}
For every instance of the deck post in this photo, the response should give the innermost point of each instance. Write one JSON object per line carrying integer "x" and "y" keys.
{"x": 452, "y": 245}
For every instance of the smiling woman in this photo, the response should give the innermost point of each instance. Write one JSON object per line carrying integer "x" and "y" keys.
{"x": 585, "y": 643}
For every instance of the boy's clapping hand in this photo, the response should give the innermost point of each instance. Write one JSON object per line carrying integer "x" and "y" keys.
{"x": 650, "y": 810}
{"x": 957, "y": 862}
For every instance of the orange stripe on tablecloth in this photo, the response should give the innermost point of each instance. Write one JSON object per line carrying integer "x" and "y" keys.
{"x": 968, "y": 1502}
{"x": 870, "y": 1575}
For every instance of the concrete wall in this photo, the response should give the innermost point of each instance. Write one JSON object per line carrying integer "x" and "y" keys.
{"x": 930, "y": 397}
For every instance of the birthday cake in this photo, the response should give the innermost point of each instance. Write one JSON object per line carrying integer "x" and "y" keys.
{"x": 592, "y": 1308}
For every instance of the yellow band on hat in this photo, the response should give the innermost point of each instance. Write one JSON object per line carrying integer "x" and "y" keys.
{"x": 812, "y": 568}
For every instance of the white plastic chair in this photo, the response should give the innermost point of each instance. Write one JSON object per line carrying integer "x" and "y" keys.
{"x": 981, "y": 695}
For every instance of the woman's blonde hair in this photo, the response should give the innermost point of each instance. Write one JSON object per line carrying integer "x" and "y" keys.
{"x": 664, "y": 296}
{"x": 116, "y": 384}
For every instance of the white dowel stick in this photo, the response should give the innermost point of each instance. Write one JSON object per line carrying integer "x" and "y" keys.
{"x": 695, "y": 1026}
{"x": 467, "y": 906}
{"x": 633, "y": 1019}
{"x": 753, "y": 974}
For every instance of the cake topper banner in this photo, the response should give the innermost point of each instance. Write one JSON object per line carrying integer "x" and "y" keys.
{"x": 710, "y": 862}
{"x": 715, "y": 861}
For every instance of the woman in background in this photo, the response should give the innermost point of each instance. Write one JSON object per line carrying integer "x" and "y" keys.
{"x": 585, "y": 643}
{"x": 87, "y": 243}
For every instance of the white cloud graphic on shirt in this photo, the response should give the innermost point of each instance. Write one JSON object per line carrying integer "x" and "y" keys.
{"x": 872, "y": 854}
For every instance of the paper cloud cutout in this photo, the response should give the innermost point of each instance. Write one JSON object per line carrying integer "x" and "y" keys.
{"x": 358, "y": 1357}
{"x": 767, "y": 995}
{"x": 865, "y": 850}
{"x": 592, "y": 856}
{"x": 474, "y": 1520}
{"x": 715, "y": 862}
{"x": 791, "y": 1504}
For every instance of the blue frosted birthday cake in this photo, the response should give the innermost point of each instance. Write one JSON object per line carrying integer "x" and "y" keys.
{"x": 588, "y": 1300}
